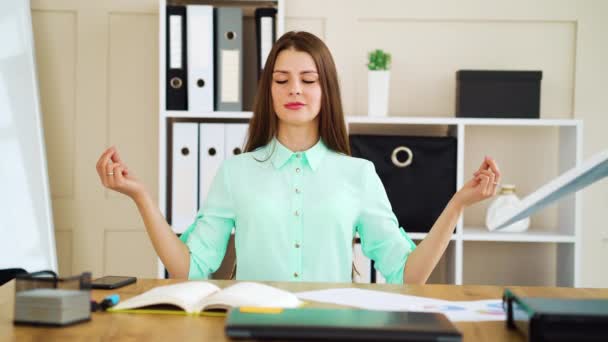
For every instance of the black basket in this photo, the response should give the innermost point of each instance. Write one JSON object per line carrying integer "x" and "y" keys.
{"x": 418, "y": 173}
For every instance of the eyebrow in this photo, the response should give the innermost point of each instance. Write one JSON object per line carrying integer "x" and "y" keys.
{"x": 303, "y": 72}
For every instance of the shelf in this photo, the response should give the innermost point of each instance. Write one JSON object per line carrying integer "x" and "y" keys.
{"x": 519, "y": 122}
{"x": 411, "y": 120}
{"x": 415, "y": 236}
{"x": 207, "y": 115}
{"x": 482, "y": 234}
{"x": 420, "y": 236}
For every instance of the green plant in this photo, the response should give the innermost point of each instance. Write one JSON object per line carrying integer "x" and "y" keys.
{"x": 379, "y": 60}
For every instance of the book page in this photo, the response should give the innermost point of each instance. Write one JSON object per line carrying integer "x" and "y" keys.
{"x": 186, "y": 295}
{"x": 250, "y": 294}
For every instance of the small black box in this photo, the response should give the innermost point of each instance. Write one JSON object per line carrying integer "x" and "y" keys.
{"x": 498, "y": 94}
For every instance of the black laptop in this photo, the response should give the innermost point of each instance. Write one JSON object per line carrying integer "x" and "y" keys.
{"x": 339, "y": 324}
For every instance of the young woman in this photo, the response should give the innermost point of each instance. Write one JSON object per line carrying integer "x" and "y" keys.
{"x": 296, "y": 198}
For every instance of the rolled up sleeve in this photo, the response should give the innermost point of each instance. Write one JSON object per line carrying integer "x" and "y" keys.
{"x": 207, "y": 238}
{"x": 382, "y": 240}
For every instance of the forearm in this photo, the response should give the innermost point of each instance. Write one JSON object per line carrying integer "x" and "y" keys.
{"x": 421, "y": 262}
{"x": 171, "y": 250}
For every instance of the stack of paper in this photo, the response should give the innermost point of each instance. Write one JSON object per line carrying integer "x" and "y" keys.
{"x": 479, "y": 310}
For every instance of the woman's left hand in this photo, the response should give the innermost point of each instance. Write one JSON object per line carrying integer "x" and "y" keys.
{"x": 482, "y": 185}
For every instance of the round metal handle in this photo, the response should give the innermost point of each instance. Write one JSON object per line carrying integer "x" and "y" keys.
{"x": 185, "y": 151}
{"x": 230, "y": 35}
{"x": 396, "y": 160}
{"x": 176, "y": 83}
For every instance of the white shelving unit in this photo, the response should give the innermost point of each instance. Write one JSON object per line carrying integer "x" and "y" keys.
{"x": 167, "y": 116}
{"x": 566, "y": 235}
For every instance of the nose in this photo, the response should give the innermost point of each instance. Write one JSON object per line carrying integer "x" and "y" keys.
{"x": 295, "y": 89}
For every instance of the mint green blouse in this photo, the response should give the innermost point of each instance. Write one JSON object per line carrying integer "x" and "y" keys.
{"x": 295, "y": 215}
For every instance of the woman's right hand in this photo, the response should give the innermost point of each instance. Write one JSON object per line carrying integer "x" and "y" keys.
{"x": 115, "y": 175}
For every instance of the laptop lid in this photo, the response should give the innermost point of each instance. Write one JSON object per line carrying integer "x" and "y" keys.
{"x": 339, "y": 324}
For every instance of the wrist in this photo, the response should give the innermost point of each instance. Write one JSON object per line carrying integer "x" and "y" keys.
{"x": 140, "y": 197}
{"x": 456, "y": 203}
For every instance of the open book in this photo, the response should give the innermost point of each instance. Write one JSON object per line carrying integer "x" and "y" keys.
{"x": 198, "y": 297}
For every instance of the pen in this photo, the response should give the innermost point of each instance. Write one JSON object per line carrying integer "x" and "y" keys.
{"x": 106, "y": 303}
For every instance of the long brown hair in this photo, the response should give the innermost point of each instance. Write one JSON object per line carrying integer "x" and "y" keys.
{"x": 332, "y": 128}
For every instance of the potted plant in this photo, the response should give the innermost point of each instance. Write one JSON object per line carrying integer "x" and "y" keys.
{"x": 378, "y": 82}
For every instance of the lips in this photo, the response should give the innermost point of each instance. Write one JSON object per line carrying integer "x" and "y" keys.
{"x": 294, "y": 105}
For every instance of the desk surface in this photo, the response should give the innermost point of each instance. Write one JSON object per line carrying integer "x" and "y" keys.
{"x": 122, "y": 326}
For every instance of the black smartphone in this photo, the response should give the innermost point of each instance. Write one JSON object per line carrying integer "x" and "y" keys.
{"x": 112, "y": 282}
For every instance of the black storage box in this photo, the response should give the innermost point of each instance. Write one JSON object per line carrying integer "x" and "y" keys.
{"x": 418, "y": 191}
{"x": 498, "y": 94}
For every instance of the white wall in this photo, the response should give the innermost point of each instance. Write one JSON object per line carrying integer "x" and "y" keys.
{"x": 99, "y": 86}
{"x": 430, "y": 40}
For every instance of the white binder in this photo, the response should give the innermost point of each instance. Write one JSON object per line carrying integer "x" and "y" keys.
{"x": 200, "y": 57}
{"x": 184, "y": 195}
{"x": 235, "y": 139}
{"x": 212, "y": 151}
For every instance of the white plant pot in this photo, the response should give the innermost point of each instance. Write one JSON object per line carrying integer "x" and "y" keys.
{"x": 377, "y": 92}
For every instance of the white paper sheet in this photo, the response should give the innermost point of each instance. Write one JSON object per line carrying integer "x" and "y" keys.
{"x": 480, "y": 310}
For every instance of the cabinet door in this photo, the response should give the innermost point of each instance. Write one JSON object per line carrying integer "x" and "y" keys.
{"x": 212, "y": 152}
{"x": 236, "y": 135}
{"x": 184, "y": 175}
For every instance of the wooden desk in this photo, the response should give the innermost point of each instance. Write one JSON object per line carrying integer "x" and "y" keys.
{"x": 106, "y": 326}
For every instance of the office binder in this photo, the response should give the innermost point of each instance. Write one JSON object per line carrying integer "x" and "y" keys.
{"x": 176, "y": 94}
{"x": 228, "y": 58}
{"x": 212, "y": 153}
{"x": 557, "y": 319}
{"x": 265, "y": 31}
{"x": 235, "y": 138}
{"x": 184, "y": 162}
{"x": 200, "y": 58}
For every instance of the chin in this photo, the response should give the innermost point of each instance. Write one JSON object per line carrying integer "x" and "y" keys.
{"x": 297, "y": 119}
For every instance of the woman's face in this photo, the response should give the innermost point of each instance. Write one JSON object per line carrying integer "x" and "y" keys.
{"x": 296, "y": 91}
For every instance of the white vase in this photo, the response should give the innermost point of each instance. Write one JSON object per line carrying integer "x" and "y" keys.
{"x": 377, "y": 92}
{"x": 506, "y": 200}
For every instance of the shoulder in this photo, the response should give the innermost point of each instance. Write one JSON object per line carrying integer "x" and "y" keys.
{"x": 358, "y": 166}
{"x": 245, "y": 161}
